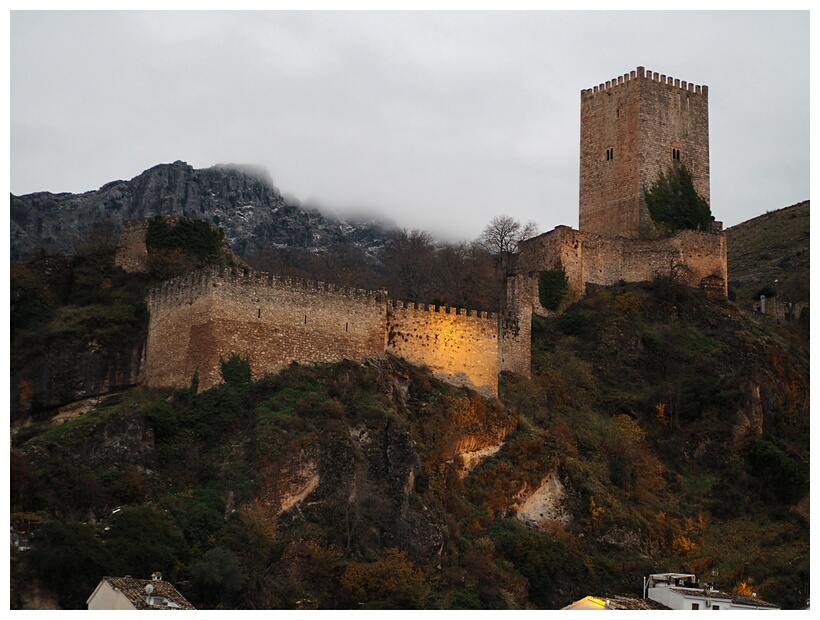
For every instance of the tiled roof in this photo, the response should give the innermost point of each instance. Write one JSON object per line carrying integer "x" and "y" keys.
{"x": 737, "y": 599}
{"x": 134, "y": 591}
{"x": 614, "y": 602}
{"x": 625, "y": 602}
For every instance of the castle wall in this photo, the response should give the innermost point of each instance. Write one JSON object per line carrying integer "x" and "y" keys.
{"x": 629, "y": 128}
{"x": 132, "y": 253}
{"x": 172, "y": 356}
{"x": 515, "y": 336}
{"x": 458, "y": 346}
{"x": 271, "y": 321}
{"x": 199, "y": 319}
{"x": 588, "y": 258}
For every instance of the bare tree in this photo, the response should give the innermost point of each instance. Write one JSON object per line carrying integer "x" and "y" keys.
{"x": 409, "y": 261}
{"x": 503, "y": 234}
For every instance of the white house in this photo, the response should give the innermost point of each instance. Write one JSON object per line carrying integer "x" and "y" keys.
{"x": 682, "y": 591}
{"x": 129, "y": 593}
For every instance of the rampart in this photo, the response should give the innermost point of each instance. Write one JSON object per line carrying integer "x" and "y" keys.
{"x": 698, "y": 258}
{"x": 458, "y": 345}
{"x": 132, "y": 253}
{"x": 199, "y": 319}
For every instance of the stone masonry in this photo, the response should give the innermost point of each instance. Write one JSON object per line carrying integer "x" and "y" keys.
{"x": 132, "y": 253}
{"x": 200, "y": 319}
{"x": 633, "y": 128}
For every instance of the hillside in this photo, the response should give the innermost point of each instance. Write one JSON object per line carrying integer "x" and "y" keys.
{"x": 659, "y": 432}
{"x": 770, "y": 253}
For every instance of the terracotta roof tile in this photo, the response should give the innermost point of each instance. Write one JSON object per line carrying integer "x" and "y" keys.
{"x": 134, "y": 591}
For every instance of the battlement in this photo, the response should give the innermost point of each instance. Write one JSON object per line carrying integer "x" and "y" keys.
{"x": 641, "y": 74}
{"x": 187, "y": 288}
{"x": 410, "y": 305}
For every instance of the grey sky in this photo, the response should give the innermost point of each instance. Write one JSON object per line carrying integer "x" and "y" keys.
{"x": 435, "y": 120}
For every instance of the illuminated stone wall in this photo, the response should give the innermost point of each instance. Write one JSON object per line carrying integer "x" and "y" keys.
{"x": 198, "y": 320}
{"x": 459, "y": 346}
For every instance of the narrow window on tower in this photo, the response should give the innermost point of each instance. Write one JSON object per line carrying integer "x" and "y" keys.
{"x": 617, "y": 112}
{"x": 610, "y": 154}
{"x": 676, "y": 154}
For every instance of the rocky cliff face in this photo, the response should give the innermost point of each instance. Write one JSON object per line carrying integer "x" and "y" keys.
{"x": 241, "y": 200}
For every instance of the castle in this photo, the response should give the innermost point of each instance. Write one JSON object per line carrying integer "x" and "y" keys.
{"x": 633, "y": 128}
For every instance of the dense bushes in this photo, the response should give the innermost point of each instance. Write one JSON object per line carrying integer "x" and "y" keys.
{"x": 552, "y": 287}
{"x": 195, "y": 237}
{"x": 674, "y": 204}
{"x": 70, "y": 561}
{"x": 780, "y": 475}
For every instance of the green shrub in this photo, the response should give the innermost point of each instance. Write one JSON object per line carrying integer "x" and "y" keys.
{"x": 216, "y": 577}
{"x": 535, "y": 555}
{"x": 236, "y": 370}
{"x": 145, "y": 540}
{"x": 574, "y": 323}
{"x": 674, "y": 204}
{"x": 779, "y": 473}
{"x": 194, "y": 237}
{"x": 70, "y": 560}
{"x": 552, "y": 287}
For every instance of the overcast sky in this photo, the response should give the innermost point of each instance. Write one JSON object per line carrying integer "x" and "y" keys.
{"x": 436, "y": 121}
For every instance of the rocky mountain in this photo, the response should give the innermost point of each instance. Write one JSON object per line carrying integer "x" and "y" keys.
{"x": 240, "y": 199}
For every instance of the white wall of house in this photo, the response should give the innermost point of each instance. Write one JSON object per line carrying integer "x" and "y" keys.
{"x": 106, "y": 597}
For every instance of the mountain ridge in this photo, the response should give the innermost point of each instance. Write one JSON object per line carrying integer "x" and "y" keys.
{"x": 238, "y": 198}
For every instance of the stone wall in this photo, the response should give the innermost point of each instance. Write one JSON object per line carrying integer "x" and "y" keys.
{"x": 132, "y": 253}
{"x": 629, "y": 128}
{"x": 515, "y": 335}
{"x": 459, "y": 346}
{"x": 199, "y": 319}
{"x": 594, "y": 259}
{"x": 196, "y": 321}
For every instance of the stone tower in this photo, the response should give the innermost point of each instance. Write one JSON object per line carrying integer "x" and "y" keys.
{"x": 633, "y": 128}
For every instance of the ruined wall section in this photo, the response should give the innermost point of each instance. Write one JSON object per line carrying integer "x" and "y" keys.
{"x": 132, "y": 253}
{"x": 693, "y": 256}
{"x": 459, "y": 346}
{"x": 273, "y": 321}
{"x": 515, "y": 334}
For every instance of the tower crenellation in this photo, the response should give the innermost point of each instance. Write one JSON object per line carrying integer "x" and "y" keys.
{"x": 634, "y": 128}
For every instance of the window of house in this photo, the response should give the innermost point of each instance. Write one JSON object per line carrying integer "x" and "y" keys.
{"x": 714, "y": 607}
{"x": 695, "y": 605}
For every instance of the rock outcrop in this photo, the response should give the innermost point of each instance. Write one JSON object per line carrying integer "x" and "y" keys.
{"x": 241, "y": 200}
